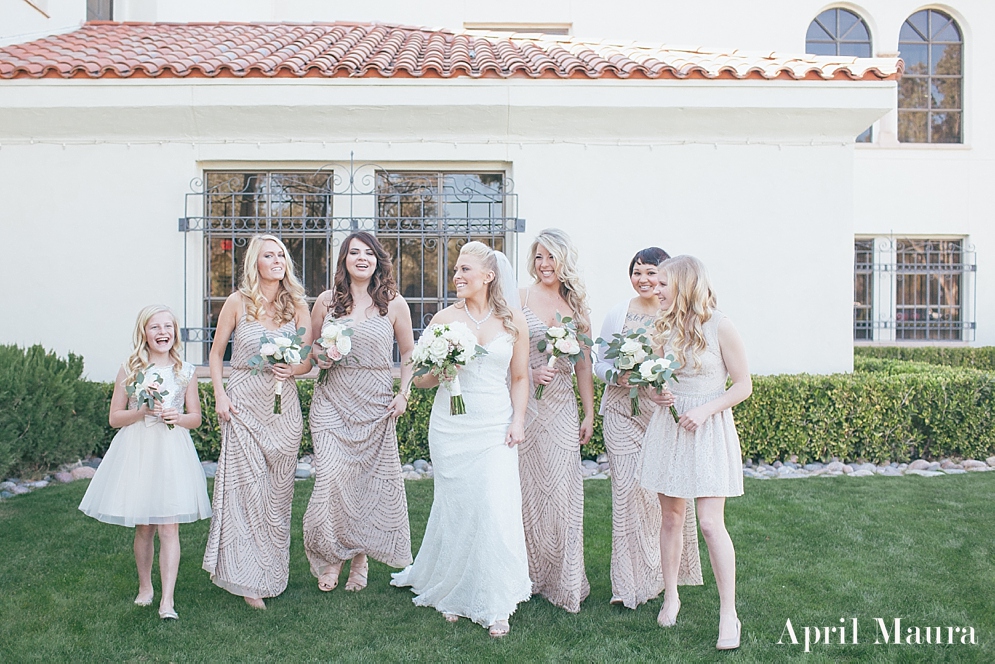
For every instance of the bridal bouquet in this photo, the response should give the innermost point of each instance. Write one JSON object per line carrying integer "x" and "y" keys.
{"x": 562, "y": 340}
{"x": 627, "y": 351}
{"x": 655, "y": 372}
{"x": 441, "y": 350}
{"x": 146, "y": 389}
{"x": 279, "y": 350}
{"x": 336, "y": 343}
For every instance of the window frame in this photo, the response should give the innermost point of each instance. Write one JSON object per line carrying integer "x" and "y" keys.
{"x": 928, "y": 78}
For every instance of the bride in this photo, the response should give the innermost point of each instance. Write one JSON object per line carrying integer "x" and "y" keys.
{"x": 473, "y": 561}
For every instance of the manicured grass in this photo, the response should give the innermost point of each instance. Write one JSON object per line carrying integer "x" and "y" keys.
{"x": 813, "y": 550}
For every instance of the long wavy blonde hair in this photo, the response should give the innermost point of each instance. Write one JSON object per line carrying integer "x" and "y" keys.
{"x": 565, "y": 259}
{"x": 139, "y": 358}
{"x": 495, "y": 296}
{"x": 289, "y": 296}
{"x": 680, "y": 325}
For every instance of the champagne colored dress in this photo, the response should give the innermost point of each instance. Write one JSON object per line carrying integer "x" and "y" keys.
{"x": 552, "y": 483}
{"x": 635, "y": 563}
{"x": 472, "y": 561}
{"x": 358, "y": 504}
{"x": 248, "y": 546}
{"x": 705, "y": 462}
{"x": 151, "y": 473}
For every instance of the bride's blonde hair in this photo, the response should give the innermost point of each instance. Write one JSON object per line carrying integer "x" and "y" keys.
{"x": 289, "y": 296}
{"x": 139, "y": 358}
{"x": 495, "y": 295}
{"x": 565, "y": 260}
{"x": 680, "y": 325}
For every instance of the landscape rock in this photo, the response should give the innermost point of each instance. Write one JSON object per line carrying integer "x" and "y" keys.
{"x": 420, "y": 464}
{"x": 954, "y": 471}
{"x": 20, "y": 490}
{"x": 847, "y": 468}
{"x": 64, "y": 477}
{"x": 991, "y": 461}
{"x": 934, "y": 465}
{"x": 210, "y": 468}
{"x": 602, "y": 458}
{"x": 83, "y": 473}
{"x": 40, "y": 484}
{"x": 588, "y": 463}
{"x": 923, "y": 473}
{"x": 6, "y": 494}
{"x": 814, "y": 466}
{"x": 835, "y": 467}
{"x": 919, "y": 464}
{"x": 973, "y": 463}
{"x": 411, "y": 475}
{"x": 603, "y": 467}
{"x": 407, "y": 468}
{"x": 303, "y": 471}
{"x": 93, "y": 462}
{"x": 7, "y": 486}
{"x": 863, "y": 472}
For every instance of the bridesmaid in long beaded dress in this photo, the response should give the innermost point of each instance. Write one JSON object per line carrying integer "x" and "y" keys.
{"x": 248, "y": 546}
{"x": 358, "y": 507}
{"x": 549, "y": 458}
{"x": 636, "y": 575}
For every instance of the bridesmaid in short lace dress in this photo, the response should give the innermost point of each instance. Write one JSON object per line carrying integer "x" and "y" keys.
{"x": 636, "y": 574}
{"x": 248, "y": 546}
{"x": 358, "y": 507}
{"x": 549, "y": 459}
{"x": 698, "y": 457}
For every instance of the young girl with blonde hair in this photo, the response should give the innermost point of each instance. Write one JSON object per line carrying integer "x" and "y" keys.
{"x": 248, "y": 546}
{"x": 698, "y": 457}
{"x": 151, "y": 479}
{"x": 552, "y": 485}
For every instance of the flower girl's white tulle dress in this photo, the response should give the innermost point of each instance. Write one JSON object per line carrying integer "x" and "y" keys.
{"x": 151, "y": 474}
{"x": 472, "y": 561}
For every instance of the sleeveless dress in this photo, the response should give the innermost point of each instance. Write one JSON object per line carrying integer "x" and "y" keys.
{"x": 472, "y": 561}
{"x": 358, "y": 504}
{"x": 552, "y": 483}
{"x": 248, "y": 546}
{"x": 636, "y": 574}
{"x": 151, "y": 473}
{"x": 706, "y": 462}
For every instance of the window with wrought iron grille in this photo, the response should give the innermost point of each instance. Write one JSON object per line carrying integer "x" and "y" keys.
{"x": 840, "y": 31}
{"x": 930, "y": 94}
{"x": 421, "y": 218}
{"x": 913, "y": 289}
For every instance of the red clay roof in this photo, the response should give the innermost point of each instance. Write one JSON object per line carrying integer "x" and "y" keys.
{"x": 195, "y": 50}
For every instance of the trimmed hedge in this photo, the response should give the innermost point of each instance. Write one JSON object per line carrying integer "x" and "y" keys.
{"x": 48, "y": 414}
{"x": 982, "y": 358}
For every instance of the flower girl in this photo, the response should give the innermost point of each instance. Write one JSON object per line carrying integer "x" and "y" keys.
{"x": 151, "y": 478}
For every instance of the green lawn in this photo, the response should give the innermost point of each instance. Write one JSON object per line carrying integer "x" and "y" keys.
{"x": 813, "y": 550}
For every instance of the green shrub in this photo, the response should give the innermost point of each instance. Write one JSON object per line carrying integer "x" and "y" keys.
{"x": 878, "y": 415}
{"x": 982, "y": 358}
{"x": 48, "y": 413}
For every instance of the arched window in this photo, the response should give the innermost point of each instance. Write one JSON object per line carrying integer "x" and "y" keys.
{"x": 840, "y": 32}
{"x": 930, "y": 101}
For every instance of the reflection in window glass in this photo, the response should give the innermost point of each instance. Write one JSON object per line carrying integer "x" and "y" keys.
{"x": 840, "y": 32}
{"x": 930, "y": 105}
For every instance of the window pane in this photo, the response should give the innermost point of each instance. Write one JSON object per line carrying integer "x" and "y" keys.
{"x": 945, "y": 93}
{"x": 865, "y": 136}
{"x": 820, "y": 48}
{"x": 913, "y": 127}
{"x": 838, "y": 32}
{"x": 912, "y": 92}
{"x": 914, "y": 28}
{"x": 945, "y": 59}
{"x": 915, "y": 57}
{"x": 855, "y": 49}
{"x": 945, "y": 127}
{"x": 945, "y": 28}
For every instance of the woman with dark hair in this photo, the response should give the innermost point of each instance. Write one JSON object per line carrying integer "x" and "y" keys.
{"x": 358, "y": 507}
{"x": 635, "y": 564}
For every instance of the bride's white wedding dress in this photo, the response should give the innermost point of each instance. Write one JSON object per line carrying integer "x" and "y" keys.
{"x": 472, "y": 561}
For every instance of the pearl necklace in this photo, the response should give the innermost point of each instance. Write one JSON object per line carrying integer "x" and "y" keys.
{"x": 480, "y": 322}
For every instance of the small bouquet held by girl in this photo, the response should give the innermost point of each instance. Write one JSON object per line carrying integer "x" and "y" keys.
{"x": 335, "y": 343}
{"x": 562, "y": 340}
{"x": 147, "y": 389}
{"x": 633, "y": 353}
{"x": 279, "y": 350}
{"x": 441, "y": 350}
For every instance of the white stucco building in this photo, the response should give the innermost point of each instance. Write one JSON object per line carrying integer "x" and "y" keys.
{"x": 699, "y": 127}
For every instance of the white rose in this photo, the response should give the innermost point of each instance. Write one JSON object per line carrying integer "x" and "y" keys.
{"x": 568, "y": 346}
{"x": 282, "y": 342}
{"x": 630, "y": 347}
{"x": 640, "y": 355}
{"x": 646, "y": 370}
{"x": 439, "y": 349}
{"x": 292, "y": 356}
{"x": 267, "y": 350}
{"x": 278, "y": 355}
{"x": 344, "y": 344}
{"x": 556, "y": 332}
{"x": 464, "y": 356}
{"x": 625, "y": 362}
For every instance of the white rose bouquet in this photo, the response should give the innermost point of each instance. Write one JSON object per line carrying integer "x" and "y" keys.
{"x": 628, "y": 351}
{"x": 562, "y": 340}
{"x": 336, "y": 343}
{"x": 441, "y": 350}
{"x": 279, "y": 350}
{"x": 655, "y": 372}
{"x": 147, "y": 390}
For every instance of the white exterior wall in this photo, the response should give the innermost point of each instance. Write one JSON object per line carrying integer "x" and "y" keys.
{"x": 96, "y": 224}
{"x": 22, "y": 21}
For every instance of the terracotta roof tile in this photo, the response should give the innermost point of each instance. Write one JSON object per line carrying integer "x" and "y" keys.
{"x": 120, "y": 50}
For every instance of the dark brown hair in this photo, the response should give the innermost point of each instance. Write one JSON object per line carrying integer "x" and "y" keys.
{"x": 382, "y": 287}
{"x": 648, "y": 256}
